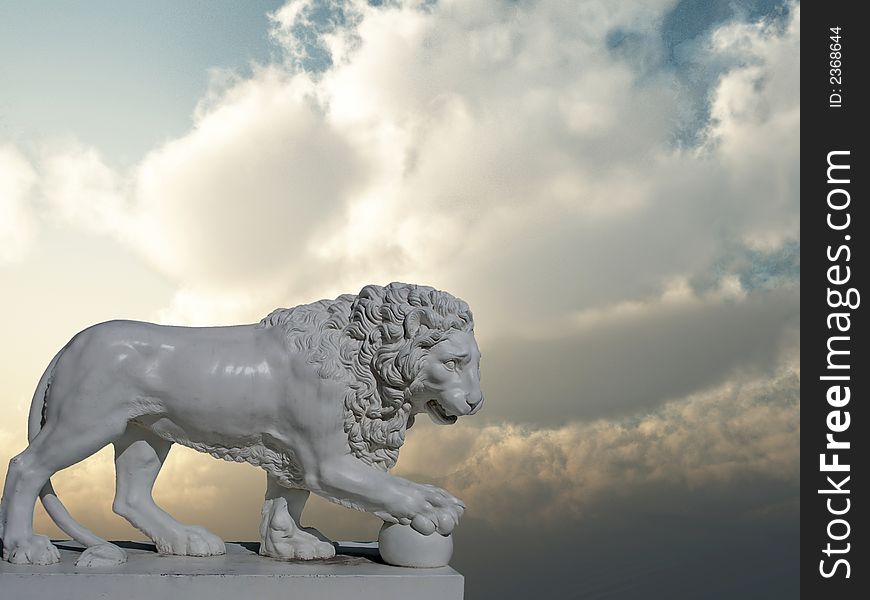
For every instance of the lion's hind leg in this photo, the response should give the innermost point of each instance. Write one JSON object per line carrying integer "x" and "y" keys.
{"x": 139, "y": 455}
{"x": 24, "y": 478}
{"x": 282, "y": 536}
{"x": 58, "y": 445}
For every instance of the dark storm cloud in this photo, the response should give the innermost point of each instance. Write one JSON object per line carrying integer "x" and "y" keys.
{"x": 635, "y": 363}
{"x": 715, "y": 544}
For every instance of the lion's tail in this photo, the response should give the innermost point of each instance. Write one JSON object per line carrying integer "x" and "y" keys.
{"x": 53, "y": 506}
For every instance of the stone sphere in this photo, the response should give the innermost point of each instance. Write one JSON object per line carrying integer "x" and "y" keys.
{"x": 403, "y": 546}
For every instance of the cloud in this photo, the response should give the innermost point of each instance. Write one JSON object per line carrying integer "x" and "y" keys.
{"x": 755, "y": 120}
{"x": 635, "y": 356}
{"x": 17, "y": 179}
{"x": 739, "y": 431}
{"x": 456, "y": 143}
{"x": 240, "y": 198}
{"x": 504, "y": 152}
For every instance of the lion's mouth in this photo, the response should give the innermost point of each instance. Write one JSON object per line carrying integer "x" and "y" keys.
{"x": 438, "y": 414}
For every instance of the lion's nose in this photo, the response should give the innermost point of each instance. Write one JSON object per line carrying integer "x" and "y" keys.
{"x": 475, "y": 401}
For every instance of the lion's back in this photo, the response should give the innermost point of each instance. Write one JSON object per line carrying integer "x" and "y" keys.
{"x": 165, "y": 361}
{"x": 109, "y": 347}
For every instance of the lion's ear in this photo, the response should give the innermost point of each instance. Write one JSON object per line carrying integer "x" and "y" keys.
{"x": 415, "y": 318}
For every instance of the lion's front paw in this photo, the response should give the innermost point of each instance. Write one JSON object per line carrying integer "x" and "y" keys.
{"x": 298, "y": 546}
{"x": 284, "y": 540}
{"x": 427, "y": 509}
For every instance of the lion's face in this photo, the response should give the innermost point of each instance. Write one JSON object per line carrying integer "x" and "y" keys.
{"x": 448, "y": 385}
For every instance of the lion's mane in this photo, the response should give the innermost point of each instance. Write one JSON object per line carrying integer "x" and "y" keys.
{"x": 376, "y": 342}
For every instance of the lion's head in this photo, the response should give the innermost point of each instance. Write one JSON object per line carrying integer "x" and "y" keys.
{"x": 402, "y": 349}
{"x": 447, "y": 385}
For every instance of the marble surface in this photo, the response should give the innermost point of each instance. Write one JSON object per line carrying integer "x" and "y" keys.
{"x": 356, "y": 572}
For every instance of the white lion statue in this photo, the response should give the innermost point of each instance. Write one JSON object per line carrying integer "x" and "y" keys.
{"x": 319, "y": 396}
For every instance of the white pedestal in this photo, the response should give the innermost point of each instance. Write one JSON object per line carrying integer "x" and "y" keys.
{"x": 356, "y": 573}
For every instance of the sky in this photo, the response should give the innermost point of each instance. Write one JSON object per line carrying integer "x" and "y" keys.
{"x": 611, "y": 185}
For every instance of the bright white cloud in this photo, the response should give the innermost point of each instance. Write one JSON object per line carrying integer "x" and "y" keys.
{"x": 17, "y": 179}
{"x": 199, "y": 307}
{"x": 755, "y": 123}
{"x": 237, "y": 200}
{"x": 78, "y": 188}
{"x": 459, "y": 143}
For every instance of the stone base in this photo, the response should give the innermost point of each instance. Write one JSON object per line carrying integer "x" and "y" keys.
{"x": 356, "y": 573}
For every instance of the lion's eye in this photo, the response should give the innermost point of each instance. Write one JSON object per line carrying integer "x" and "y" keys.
{"x": 450, "y": 364}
